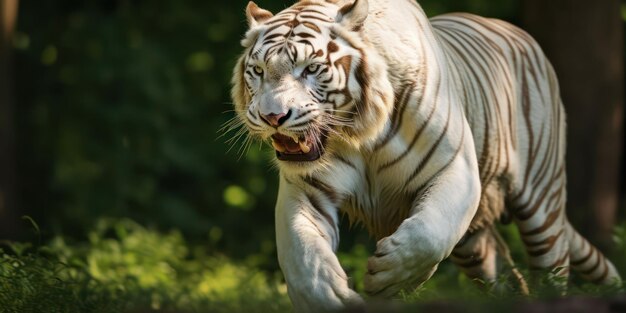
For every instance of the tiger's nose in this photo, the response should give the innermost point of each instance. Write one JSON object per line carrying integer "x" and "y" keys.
{"x": 274, "y": 119}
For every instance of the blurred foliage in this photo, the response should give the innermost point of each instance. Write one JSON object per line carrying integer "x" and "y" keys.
{"x": 120, "y": 106}
{"x": 125, "y": 267}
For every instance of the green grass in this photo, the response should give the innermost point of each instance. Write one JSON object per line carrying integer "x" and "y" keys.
{"x": 125, "y": 267}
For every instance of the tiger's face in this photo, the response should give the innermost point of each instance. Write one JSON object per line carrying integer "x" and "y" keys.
{"x": 303, "y": 84}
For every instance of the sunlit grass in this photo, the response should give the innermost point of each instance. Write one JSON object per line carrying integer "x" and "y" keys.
{"x": 125, "y": 267}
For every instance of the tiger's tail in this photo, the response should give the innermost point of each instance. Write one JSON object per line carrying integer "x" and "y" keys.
{"x": 588, "y": 261}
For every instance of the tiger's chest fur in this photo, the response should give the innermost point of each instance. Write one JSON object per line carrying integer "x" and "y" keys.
{"x": 379, "y": 201}
{"x": 381, "y": 185}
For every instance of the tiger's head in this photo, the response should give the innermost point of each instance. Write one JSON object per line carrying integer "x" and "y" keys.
{"x": 309, "y": 82}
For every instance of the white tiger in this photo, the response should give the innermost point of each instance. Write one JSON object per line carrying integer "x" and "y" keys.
{"x": 426, "y": 132}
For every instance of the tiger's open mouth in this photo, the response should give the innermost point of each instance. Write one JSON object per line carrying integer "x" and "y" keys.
{"x": 298, "y": 149}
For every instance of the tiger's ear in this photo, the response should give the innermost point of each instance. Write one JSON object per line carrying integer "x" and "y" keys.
{"x": 353, "y": 15}
{"x": 256, "y": 15}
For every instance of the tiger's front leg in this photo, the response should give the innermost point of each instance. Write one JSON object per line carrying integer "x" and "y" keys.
{"x": 411, "y": 254}
{"x": 307, "y": 236}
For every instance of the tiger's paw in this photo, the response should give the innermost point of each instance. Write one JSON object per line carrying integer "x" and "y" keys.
{"x": 322, "y": 288}
{"x": 398, "y": 263}
{"x": 325, "y": 298}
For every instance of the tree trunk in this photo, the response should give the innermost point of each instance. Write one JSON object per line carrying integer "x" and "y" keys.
{"x": 583, "y": 40}
{"x": 9, "y": 217}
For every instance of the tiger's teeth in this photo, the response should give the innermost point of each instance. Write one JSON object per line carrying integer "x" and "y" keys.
{"x": 278, "y": 146}
{"x": 295, "y": 138}
{"x": 304, "y": 147}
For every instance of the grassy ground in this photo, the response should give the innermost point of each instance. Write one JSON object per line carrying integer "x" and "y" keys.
{"x": 125, "y": 267}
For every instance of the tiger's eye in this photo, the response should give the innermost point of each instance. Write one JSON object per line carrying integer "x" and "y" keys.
{"x": 258, "y": 70}
{"x": 312, "y": 68}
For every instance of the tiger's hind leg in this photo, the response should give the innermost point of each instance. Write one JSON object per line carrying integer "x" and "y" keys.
{"x": 552, "y": 244}
{"x": 542, "y": 225}
{"x": 476, "y": 255}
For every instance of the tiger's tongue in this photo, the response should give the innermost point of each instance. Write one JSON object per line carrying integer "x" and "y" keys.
{"x": 287, "y": 142}
{"x": 291, "y": 146}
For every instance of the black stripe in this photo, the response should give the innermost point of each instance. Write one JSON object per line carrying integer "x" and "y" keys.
{"x": 322, "y": 187}
{"x": 432, "y": 149}
{"x": 345, "y": 161}
{"x": 417, "y": 135}
{"x": 315, "y": 203}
